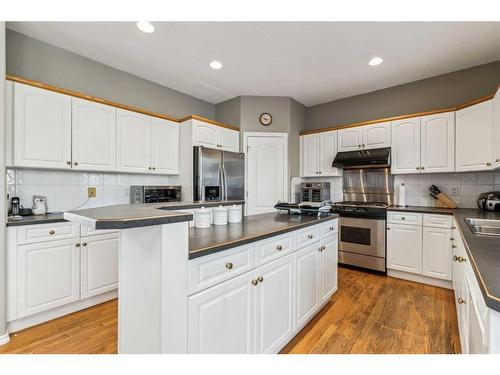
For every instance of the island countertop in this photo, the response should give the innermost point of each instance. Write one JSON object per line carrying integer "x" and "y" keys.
{"x": 252, "y": 228}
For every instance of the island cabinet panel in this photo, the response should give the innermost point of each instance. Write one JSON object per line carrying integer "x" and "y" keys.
{"x": 222, "y": 319}
{"x": 93, "y": 136}
{"x": 99, "y": 264}
{"x": 404, "y": 248}
{"x": 328, "y": 269}
{"x": 307, "y": 283}
{"x": 47, "y": 276}
{"x": 437, "y": 254}
{"x": 274, "y": 305}
{"x": 42, "y": 128}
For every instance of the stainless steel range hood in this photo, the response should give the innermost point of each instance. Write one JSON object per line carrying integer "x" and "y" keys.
{"x": 375, "y": 158}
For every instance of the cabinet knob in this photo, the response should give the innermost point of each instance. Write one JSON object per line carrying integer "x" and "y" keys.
{"x": 332, "y": 228}
{"x": 154, "y": 168}
{"x": 77, "y": 244}
{"x": 453, "y": 246}
{"x": 452, "y": 239}
{"x": 403, "y": 218}
{"x": 149, "y": 168}
{"x": 461, "y": 300}
{"x": 359, "y": 146}
{"x": 254, "y": 282}
{"x": 455, "y": 258}
{"x": 68, "y": 162}
{"x": 84, "y": 244}
{"x": 418, "y": 168}
{"x": 260, "y": 279}
{"x": 51, "y": 232}
{"x": 388, "y": 228}
{"x": 497, "y": 160}
{"x": 422, "y": 168}
{"x": 279, "y": 247}
{"x": 75, "y": 163}
{"x": 320, "y": 249}
{"x": 453, "y": 227}
{"x": 229, "y": 265}
{"x": 362, "y": 145}
{"x": 461, "y": 259}
{"x": 310, "y": 236}
{"x": 488, "y": 163}
{"x": 319, "y": 172}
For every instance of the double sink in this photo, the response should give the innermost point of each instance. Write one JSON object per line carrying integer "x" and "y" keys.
{"x": 485, "y": 227}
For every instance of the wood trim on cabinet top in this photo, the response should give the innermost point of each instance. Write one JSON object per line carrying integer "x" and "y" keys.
{"x": 401, "y": 117}
{"x": 213, "y": 122}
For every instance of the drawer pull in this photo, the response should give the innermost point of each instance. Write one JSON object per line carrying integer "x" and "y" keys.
{"x": 260, "y": 279}
{"x": 279, "y": 247}
{"x": 453, "y": 246}
{"x": 461, "y": 259}
{"x": 77, "y": 244}
{"x": 452, "y": 239}
{"x": 51, "y": 232}
{"x": 332, "y": 228}
{"x": 229, "y": 265}
{"x": 461, "y": 301}
{"x": 455, "y": 258}
{"x": 403, "y": 218}
{"x": 254, "y": 282}
{"x": 310, "y": 236}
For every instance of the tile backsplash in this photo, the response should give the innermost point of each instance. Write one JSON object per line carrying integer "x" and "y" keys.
{"x": 463, "y": 187}
{"x": 66, "y": 190}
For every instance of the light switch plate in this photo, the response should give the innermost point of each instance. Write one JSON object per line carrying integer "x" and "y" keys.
{"x": 92, "y": 192}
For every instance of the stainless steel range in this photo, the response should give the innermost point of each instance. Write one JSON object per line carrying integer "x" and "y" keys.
{"x": 368, "y": 193}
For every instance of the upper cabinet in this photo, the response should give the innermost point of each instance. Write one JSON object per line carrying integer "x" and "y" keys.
{"x": 42, "y": 127}
{"x": 215, "y": 136}
{"x": 93, "y": 136}
{"x": 405, "y": 153}
{"x": 317, "y": 152}
{"x": 165, "y": 146}
{"x": 365, "y": 137}
{"x": 474, "y": 137}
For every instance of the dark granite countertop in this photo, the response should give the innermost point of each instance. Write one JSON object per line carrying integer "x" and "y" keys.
{"x": 197, "y": 204}
{"x": 55, "y": 217}
{"x": 483, "y": 251}
{"x": 253, "y": 228}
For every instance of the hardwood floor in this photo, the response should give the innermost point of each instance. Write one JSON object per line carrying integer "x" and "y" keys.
{"x": 368, "y": 314}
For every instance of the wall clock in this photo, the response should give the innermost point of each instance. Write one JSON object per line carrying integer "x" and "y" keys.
{"x": 265, "y": 119}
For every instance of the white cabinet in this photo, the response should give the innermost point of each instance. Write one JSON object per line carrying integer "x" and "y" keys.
{"x": 274, "y": 305}
{"x": 496, "y": 129}
{"x": 404, "y": 248}
{"x": 328, "y": 269}
{"x": 93, "y": 136}
{"x": 474, "y": 137}
{"x": 437, "y": 137}
{"x": 214, "y": 136}
{"x": 307, "y": 284}
{"x": 350, "y": 139}
{"x": 405, "y": 149}
{"x": 376, "y": 135}
{"x": 317, "y": 152}
{"x": 42, "y": 128}
{"x": 164, "y": 146}
{"x": 99, "y": 264}
{"x": 47, "y": 276}
{"x": 222, "y": 319}
{"x": 437, "y": 253}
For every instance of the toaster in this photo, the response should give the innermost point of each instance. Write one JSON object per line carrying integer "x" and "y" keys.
{"x": 489, "y": 201}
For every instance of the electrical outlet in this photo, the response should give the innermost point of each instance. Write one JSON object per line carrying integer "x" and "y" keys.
{"x": 454, "y": 191}
{"x": 92, "y": 192}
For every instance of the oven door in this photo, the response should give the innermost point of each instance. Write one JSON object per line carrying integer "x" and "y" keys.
{"x": 362, "y": 236}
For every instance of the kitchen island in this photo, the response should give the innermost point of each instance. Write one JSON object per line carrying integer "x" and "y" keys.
{"x": 246, "y": 287}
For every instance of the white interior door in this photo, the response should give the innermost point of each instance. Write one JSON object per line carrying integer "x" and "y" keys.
{"x": 267, "y": 171}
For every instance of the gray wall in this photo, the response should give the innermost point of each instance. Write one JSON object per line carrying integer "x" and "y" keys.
{"x": 33, "y": 59}
{"x": 427, "y": 94}
{"x": 229, "y": 112}
{"x": 253, "y": 106}
{"x": 3, "y": 209}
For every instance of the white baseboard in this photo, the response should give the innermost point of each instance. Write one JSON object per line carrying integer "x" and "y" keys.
{"x": 32, "y": 320}
{"x": 4, "y": 339}
{"x": 420, "y": 279}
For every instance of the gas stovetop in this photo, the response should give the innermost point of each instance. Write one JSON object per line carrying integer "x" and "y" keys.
{"x": 369, "y": 210}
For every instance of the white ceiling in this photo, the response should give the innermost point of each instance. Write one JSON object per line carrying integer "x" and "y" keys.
{"x": 312, "y": 62}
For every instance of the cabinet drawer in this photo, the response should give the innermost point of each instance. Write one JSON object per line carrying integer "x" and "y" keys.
{"x": 273, "y": 248}
{"x": 412, "y": 218}
{"x": 88, "y": 231}
{"x": 438, "y": 221}
{"x": 330, "y": 228}
{"x": 307, "y": 236}
{"x": 212, "y": 269}
{"x": 47, "y": 232}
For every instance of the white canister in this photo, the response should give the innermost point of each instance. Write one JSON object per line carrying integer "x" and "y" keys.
{"x": 202, "y": 218}
{"x": 220, "y": 215}
{"x": 234, "y": 214}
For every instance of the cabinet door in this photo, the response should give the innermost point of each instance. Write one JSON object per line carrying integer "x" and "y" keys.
{"x": 474, "y": 137}
{"x": 165, "y": 146}
{"x": 93, "y": 136}
{"x": 328, "y": 269}
{"x": 350, "y": 139}
{"x": 274, "y": 305}
{"x": 309, "y": 150}
{"x": 221, "y": 319}
{"x": 133, "y": 142}
{"x": 405, "y": 149}
{"x": 327, "y": 151}
{"x": 404, "y": 248}
{"x": 229, "y": 140}
{"x": 99, "y": 264}
{"x": 42, "y": 128}
{"x": 47, "y": 276}
{"x": 496, "y": 129}
{"x": 205, "y": 134}
{"x": 437, "y": 254}
{"x": 307, "y": 284}
{"x": 437, "y": 136}
{"x": 376, "y": 135}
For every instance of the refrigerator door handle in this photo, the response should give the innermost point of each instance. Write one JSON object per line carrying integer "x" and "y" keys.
{"x": 224, "y": 183}
{"x": 221, "y": 181}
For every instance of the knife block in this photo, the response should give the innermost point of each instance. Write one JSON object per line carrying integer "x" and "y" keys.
{"x": 444, "y": 201}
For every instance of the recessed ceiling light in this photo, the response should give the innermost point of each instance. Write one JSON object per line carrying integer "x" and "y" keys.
{"x": 215, "y": 64}
{"x": 145, "y": 27}
{"x": 375, "y": 61}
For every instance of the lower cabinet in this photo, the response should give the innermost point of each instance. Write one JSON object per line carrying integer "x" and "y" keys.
{"x": 404, "y": 248}
{"x": 328, "y": 268}
{"x": 307, "y": 270}
{"x": 436, "y": 253}
{"x": 47, "y": 276}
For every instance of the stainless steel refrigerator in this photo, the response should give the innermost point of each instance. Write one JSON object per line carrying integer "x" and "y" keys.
{"x": 218, "y": 175}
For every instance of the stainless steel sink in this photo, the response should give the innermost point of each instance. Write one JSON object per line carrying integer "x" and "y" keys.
{"x": 484, "y": 226}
